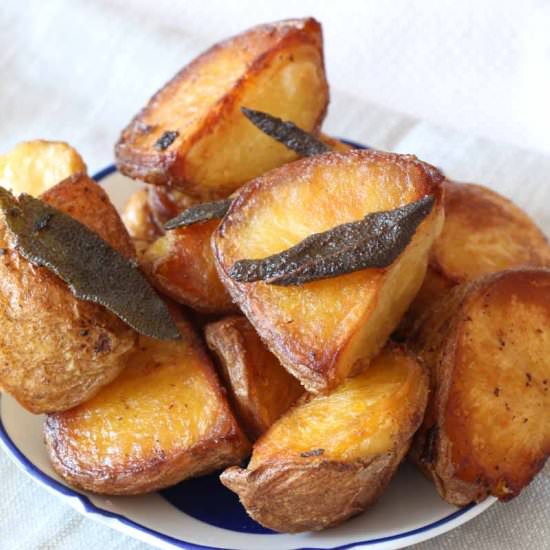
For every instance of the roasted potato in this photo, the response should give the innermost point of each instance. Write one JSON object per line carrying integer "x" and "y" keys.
{"x": 331, "y": 456}
{"x": 164, "y": 419}
{"x": 320, "y": 330}
{"x": 33, "y": 167}
{"x": 56, "y": 351}
{"x": 166, "y": 203}
{"x": 260, "y": 388}
{"x": 181, "y": 265}
{"x": 138, "y": 218}
{"x": 483, "y": 233}
{"x": 335, "y": 144}
{"x": 487, "y": 428}
{"x": 192, "y": 134}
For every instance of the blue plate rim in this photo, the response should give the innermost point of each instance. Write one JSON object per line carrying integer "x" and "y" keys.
{"x": 93, "y": 510}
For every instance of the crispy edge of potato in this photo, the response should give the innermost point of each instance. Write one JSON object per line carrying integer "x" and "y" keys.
{"x": 45, "y": 163}
{"x": 311, "y": 493}
{"x": 226, "y": 444}
{"x": 252, "y": 374}
{"x": 166, "y": 203}
{"x": 317, "y": 380}
{"x": 435, "y": 339}
{"x": 180, "y": 264}
{"x": 335, "y": 144}
{"x": 156, "y": 167}
{"x": 59, "y": 350}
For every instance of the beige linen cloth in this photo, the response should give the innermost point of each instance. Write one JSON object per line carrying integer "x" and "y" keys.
{"x": 473, "y": 80}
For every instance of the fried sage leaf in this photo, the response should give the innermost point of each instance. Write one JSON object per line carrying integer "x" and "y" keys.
{"x": 200, "y": 213}
{"x": 93, "y": 270}
{"x": 373, "y": 242}
{"x": 287, "y": 133}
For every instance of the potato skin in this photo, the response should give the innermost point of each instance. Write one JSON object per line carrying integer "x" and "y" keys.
{"x": 55, "y": 350}
{"x": 487, "y": 426}
{"x": 259, "y": 386}
{"x": 166, "y": 203}
{"x": 163, "y": 420}
{"x": 181, "y": 265}
{"x": 290, "y": 490}
{"x": 319, "y": 331}
{"x": 483, "y": 233}
{"x": 228, "y": 75}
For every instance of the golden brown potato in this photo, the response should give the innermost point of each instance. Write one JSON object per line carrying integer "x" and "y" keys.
{"x": 33, "y": 167}
{"x": 56, "y": 351}
{"x": 192, "y": 134}
{"x": 260, "y": 388}
{"x": 487, "y": 428}
{"x": 138, "y": 218}
{"x": 164, "y": 419}
{"x": 166, "y": 203}
{"x": 483, "y": 233}
{"x": 181, "y": 265}
{"x": 331, "y": 456}
{"x": 321, "y": 329}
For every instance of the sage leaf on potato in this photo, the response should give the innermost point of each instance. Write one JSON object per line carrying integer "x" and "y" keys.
{"x": 287, "y": 133}
{"x": 93, "y": 270}
{"x": 373, "y": 242}
{"x": 200, "y": 213}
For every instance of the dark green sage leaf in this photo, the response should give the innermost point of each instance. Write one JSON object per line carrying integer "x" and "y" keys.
{"x": 287, "y": 133}
{"x": 200, "y": 213}
{"x": 93, "y": 270}
{"x": 373, "y": 242}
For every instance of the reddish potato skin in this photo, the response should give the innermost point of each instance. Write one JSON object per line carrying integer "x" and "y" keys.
{"x": 259, "y": 386}
{"x": 166, "y": 203}
{"x": 168, "y": 168}
{"x": 504, "y": 375}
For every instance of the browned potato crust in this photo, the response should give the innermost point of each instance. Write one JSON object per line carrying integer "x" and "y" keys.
{"x": 483, "y": 233}
{"x": 321, "y": 329}
{"x": 57, "y": 351}
{"x": 33, "y": 167}
{"x": 335, "y": 144}
{"x": 181, "y": 265}
{"x": 192, "y": 134}
{"x": 260, "y": 388}
{"x": 331, "y": 456}
{"x": 487, "y": 428}
{"x": 138, "y": 218}
{"x": 164, "y": 419}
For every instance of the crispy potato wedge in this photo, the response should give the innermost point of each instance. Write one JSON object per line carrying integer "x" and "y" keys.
{"x": 167, "y": 203}
{"x": 33, "y": 167}
{"x": 483, "y": 233}
{"x": 192, "y": 134}
{"x": 181, "y": 265}
{"x": 487, "y": 428}
{"x": 164, "y": 419}
{"x": 320, "y": 330}
{"x": 331, "y": 456}
{"x": 260, "y": 388}
{"x": 56, "y": 351}
{"x": 138, "y": 218}
{"x": 335, "y": 144}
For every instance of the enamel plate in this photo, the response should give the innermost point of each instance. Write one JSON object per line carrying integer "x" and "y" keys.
{"x": 201, "y": 514}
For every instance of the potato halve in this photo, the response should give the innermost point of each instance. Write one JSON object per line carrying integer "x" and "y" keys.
{"x": 164, "y": 419}
{"x": 192, "y": 134}
{"x": 331, "y": 456}
{"x": 487, "y": 345}
{"x": 321, "y": 329}
{"x": 258, "y": 385}
{"x": 56, "y": 351}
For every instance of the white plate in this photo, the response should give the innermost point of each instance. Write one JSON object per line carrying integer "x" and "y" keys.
{"x": 202, "y": 514}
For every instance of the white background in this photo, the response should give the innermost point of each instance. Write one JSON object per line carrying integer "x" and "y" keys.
{"x": 463, "y": 84}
